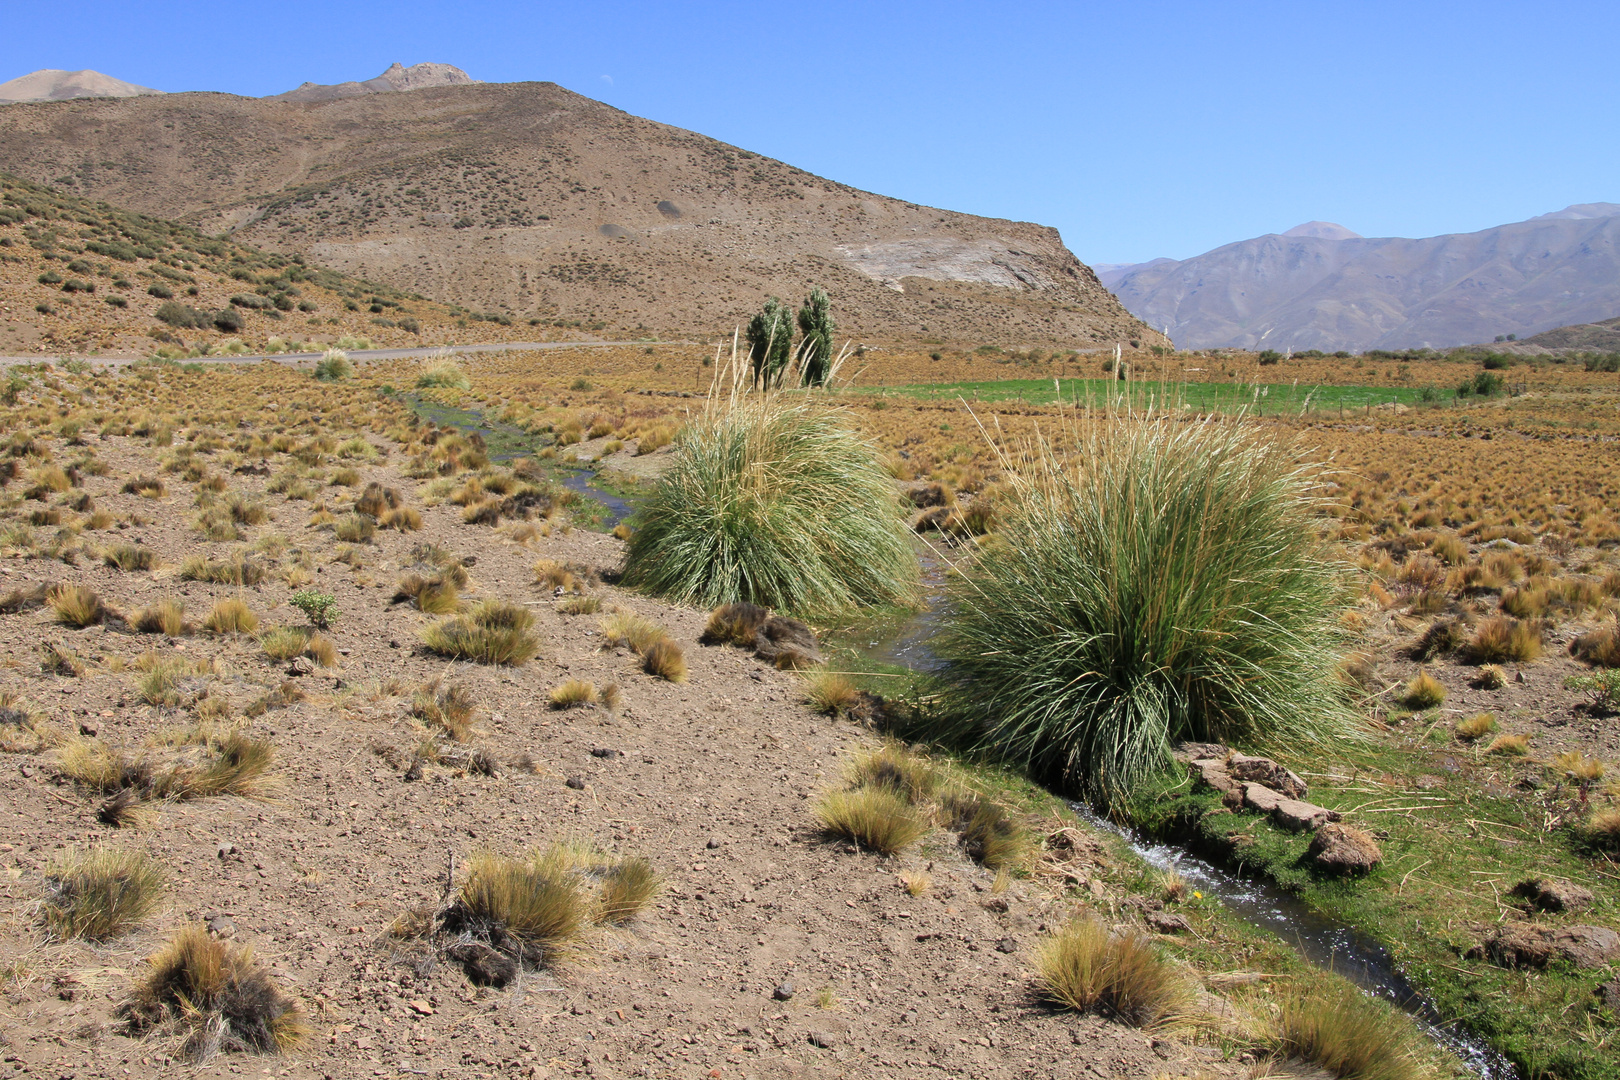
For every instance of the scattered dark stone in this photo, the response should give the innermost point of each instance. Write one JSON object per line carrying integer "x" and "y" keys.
{"x": 1168, "y": 922}
{"x": 226, "y": 850}
{"x": 89, "y": 728}
{"x": 484, "y": 965}
{"x": 713, "y": 844}
{"x": 576, "y": 782}
{"x": 222, "y": 926}
{"x": 1344, "y": 849}
{"x": 1007, "y": 945}
{"x": 783, "y": 992}
{"x": 1609, "y": 994}
{"x": 824, "y": 1039}
{"x": 604, "y": 752}
{"x": 301, "y": 665}
{"x": 1550, "y": 894}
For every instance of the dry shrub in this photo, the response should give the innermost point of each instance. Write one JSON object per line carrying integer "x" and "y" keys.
{"x": 1330, "y": 1023}
{"x": 436, "y": 595}
{"x": 231, "y": 615}
{"x": 579, "y": 605}
{"x": 830, "y": 693}
{"x": 282, "y": 643}
{"x": 1600, "y": 647}
{"x": 100, "y": 893}
{"x": 664, "y": 659}
{"x": 494, "y": 632}
{"x": 166, "y": 617}
{"x": 448, "y": 708}
{"x": 876, "y": 816}
{"x": 627, "y": 887}
{"x": 1509, "y": 745}
{"x": 218, "y": 994}
{"x": 1423, "y": 692}
{"x": 1497, "y": 639}
{"x": 1476, "y": 727}
{"x": 573, "y": 694}
{"x": 76, "y": 605}
{"x": 1125, "y": 976}
{"x": 129, "y": 557}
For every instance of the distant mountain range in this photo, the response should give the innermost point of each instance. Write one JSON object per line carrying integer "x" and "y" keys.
{"x": 1322, "y": 286}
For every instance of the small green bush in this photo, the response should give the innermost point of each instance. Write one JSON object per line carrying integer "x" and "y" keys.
{"x": 318, "y": 607}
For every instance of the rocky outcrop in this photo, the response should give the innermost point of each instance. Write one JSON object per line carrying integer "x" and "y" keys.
{"x": 1344, "y": 849}
{"x": 1255, "y": 783}
{"x": 1261, "y": 770}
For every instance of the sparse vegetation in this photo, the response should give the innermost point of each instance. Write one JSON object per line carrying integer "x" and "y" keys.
{"x": 1088, "y": 968}
{"x": 493, "y": 632}
{"x": 101, "y": 893}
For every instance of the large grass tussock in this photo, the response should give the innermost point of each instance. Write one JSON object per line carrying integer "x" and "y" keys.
{"x": 776, "y": 502}
{"x": 1165, "y": 583}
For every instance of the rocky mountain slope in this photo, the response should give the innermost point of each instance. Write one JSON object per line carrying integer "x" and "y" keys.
{"x": 49, "y": 84}
{"x": 1320, "y": 286}
{"x": 530, "y": 200}
{"x": 396, "y": 78}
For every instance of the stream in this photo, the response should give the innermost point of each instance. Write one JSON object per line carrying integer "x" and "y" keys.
{"x": 1320, "y": 940}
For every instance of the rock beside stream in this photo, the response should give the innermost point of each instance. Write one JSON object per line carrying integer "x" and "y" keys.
{"x": 1551, "y": 894}
{"x": 1257, "y": 783}
{"x": 1344, "y": 849}
{"x": 1526, "y": 945}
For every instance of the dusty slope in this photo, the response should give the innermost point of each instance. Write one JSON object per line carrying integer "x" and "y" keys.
{"x": 49, "y": 84}
{"x": 1329, "y": 292}
{"x": 531, "y": 199}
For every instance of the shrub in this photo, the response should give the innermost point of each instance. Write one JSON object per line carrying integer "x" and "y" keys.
{"x": 445, "y": 373}
{"x": 874, "y": 816}
{"x": 318, "y": 607}
{"x": 1122, "y": 976}
{"x": 334, "y": 366}
{"x": 572, "y": 694}
{"x": 1497, "y": 639}
{"x": 1331, "y": 1024}
{"x": 129, "y": 557}
{"x": 76, "y": 605}
{"x": 1423, "y": 692}
{"x": 1166, "y": 585}
{"x": 494, "y": 632}
{"x": 1604, "y": 686}
{"x": 770, "y": 343}
{"x": 231, "y": 616}
{"x": 220, "y": 993}
{"x": 99, "y": 894}
{"x": 448, "y": 708}
{"x": 774, "y": 503}
{"x": 665, "y": 660}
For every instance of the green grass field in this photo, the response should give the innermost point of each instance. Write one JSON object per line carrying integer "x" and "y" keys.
{"x": 1263, "y": 398}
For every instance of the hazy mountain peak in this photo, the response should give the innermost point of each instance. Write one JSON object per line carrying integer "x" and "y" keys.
{"x": 1581, "y": 212}
{"x": 398, "y": 77}
{"x": 1323, "y": 230}
{"x": 51, "y": 84}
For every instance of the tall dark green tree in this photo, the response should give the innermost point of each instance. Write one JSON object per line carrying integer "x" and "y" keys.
{"x": 815, "y": 351}
{"x": 770, "y": 342}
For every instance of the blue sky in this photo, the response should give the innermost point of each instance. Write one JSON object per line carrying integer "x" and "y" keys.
{"x": 1138, "y": 129}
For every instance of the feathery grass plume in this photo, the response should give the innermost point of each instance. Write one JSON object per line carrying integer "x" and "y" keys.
{"x": 775, "y": 500}
{"x": 1475, "y": 727}
{"x": 101, "y": 893}
{"x": 76, "y": 605}
{"x": 220, "y": 993}
{"x": 1165, "y": 583}
{"x": 1331, "y": 1024}
{"x": 627, "y": 886}
{"x": 573, "y": 694}
{"x": 231, "y": 615}
{"x": 493, "y": 632}
{"x": 166, "y": 617}
{"x": 1423, "y": 692}
{"x": 665, "y": 660}
{"x": 450, "y": 708}
{"x": 333, "y": 366}
{"x": 876, "y": 816}
{"x": 1125, "y": 976}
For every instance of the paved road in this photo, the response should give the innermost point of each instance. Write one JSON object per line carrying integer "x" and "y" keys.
{"x": 353, "y": 354}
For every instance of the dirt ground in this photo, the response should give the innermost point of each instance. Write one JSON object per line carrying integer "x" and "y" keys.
{"x": 711, "y": 779}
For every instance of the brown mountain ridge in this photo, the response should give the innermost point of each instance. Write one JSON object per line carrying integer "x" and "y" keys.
{"x": 531, "y": 200}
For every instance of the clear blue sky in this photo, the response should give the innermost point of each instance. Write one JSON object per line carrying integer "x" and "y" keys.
{"x": 1139, "y": 129}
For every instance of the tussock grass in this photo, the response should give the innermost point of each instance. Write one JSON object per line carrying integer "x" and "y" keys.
{"x": 1352, "y": 1035}
{"x": 1476, "y": 727}
{"x": 876, "y": 817}
{"x": 101, "y": 893}
{"x": 166, "y": 617}
{"x": 665, "y": 660}
{"x": 56, "y": 658}
{"x": 322, "y": 650}
{"x": 988, "y": 835}
{"x": 636, "y": 632}
{"x": 23, "y": 728}
{"x": 333, "y": 366}
{"x": 1600, "y": 647}
{"x": 219, "y": 994}
{"x": 355, "y": 529}
{"x": 775, "y": 502}
{"x": 401, "y": 518}
{"x": 282, "y": 643}
{"x": 434, "y": 595}
{"x": 76, "y": 605}
{"x": 1497, "y": 639}
{"x": 1602, "y": 829}
{"x": 573, "y": 694}
{"x": 1124, "y": 977}
{"x": 449, "y": 708}
{"x": 24, "y": 598}
{"x": 830, "y": 693}
{"x": 1490, "y": 677}
{"x": 1423, "y": 692}
{"x": 236, "y": 571}
{"x": 579, "y": 605}
{"x": 207, "y": 765}
{"x": 1167, "y": 582}
{"x": 894, "y": 766}
{"x": 160, "y": 681}
{"x": 534, "y": 907}
{"x": 627, "y": 887}
{"x": 1509, "y": 745}
{"x": 149, "y": 487}
{"x": 231, "y": 615}
{"x": 444, "y": 373}
{"x": 129, "y": 558}
{"x": 493, "y": 632}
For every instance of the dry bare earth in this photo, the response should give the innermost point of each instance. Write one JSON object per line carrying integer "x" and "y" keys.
{"x": 709, "y": 779}
{"x": 529, "y": 198}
